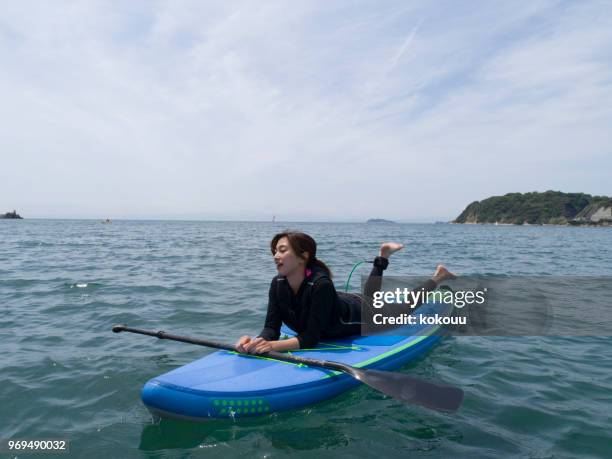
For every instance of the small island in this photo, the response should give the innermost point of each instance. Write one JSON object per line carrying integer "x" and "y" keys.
{"x": 379, "y": 220}
{"x": 12, "y": 214}
{"x": 548, "y": 208}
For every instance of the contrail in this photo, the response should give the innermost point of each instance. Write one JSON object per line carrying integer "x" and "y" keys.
{"x": 404, "y": 47}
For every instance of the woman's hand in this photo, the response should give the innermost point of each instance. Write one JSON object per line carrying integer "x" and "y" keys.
{"x": 242, "y": 342}
{"x": 258, "y": 346}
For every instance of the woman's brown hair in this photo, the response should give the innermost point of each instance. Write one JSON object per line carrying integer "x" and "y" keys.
{"x": 301, "y": 243}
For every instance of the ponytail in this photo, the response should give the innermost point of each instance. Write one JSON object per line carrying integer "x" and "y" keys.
{"x": 316, "y": 262}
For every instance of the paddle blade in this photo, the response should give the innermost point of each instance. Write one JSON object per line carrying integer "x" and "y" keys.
{"x": 411, "y": 390}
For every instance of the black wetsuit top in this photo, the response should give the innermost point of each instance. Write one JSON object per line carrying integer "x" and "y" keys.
{"x": 316, "y": 311}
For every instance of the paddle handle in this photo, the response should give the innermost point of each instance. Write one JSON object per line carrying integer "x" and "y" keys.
{"x": 184, "y": 339}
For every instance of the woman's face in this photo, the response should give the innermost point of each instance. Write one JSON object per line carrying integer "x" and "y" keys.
{"x": 287, "y": 261}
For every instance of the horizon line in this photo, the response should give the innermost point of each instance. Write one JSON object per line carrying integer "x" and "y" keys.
{"x": 389, "y": 222}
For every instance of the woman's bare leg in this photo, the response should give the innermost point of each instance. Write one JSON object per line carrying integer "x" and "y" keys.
{"x": 442, "y": 274}
{"x": 381, "y": 262}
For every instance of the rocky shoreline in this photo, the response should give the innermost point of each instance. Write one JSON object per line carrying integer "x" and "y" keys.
{"x": 572, "y": 223}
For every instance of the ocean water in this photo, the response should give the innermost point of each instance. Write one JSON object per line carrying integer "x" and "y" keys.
{"x": 64, "y": 283}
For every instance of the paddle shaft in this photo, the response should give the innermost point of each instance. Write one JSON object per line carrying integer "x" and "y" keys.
{"x": 228, "y": 347}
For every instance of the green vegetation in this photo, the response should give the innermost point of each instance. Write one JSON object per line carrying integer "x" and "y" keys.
{"x": 550, "y": 207}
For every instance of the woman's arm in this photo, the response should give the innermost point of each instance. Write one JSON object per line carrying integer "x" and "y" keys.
{"x": 271, "y": 330}
{"x": 260, "y": 345}
{"x": 320, "y": 314}
{"x": 272, "y": 325}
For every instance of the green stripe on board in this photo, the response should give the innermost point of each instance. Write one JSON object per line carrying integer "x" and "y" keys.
{"x": 386, "y": 354}
{"x": 254, "y": 356}
{"x": 334, "y": 348}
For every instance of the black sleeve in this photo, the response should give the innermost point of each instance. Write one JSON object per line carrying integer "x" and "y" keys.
{"x": 271, "y": 330}
{"x": 319, "y": 317}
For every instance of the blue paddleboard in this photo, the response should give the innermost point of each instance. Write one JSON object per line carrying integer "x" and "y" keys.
{"x": 226, "y": 384}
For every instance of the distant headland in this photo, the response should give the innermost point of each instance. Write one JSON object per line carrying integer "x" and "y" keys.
{"x": 548, "y": 208}
{"x": 12, "y": 214}
{"x": 379, "y": 220}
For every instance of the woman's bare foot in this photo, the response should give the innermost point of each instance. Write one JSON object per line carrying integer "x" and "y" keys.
{"x": 442, "y": 274}
{"x": 389, "y": 248}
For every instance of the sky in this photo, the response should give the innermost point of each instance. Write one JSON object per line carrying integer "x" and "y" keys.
{"x": 309, "y": 111}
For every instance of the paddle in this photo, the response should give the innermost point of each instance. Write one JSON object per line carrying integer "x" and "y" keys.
{"x": 400, "y": 386}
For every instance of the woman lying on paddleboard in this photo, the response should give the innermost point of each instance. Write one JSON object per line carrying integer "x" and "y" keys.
{"x": 303, "y": 296}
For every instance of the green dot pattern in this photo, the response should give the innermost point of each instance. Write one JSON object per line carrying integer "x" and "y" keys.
{"x": 237, "y": 407}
